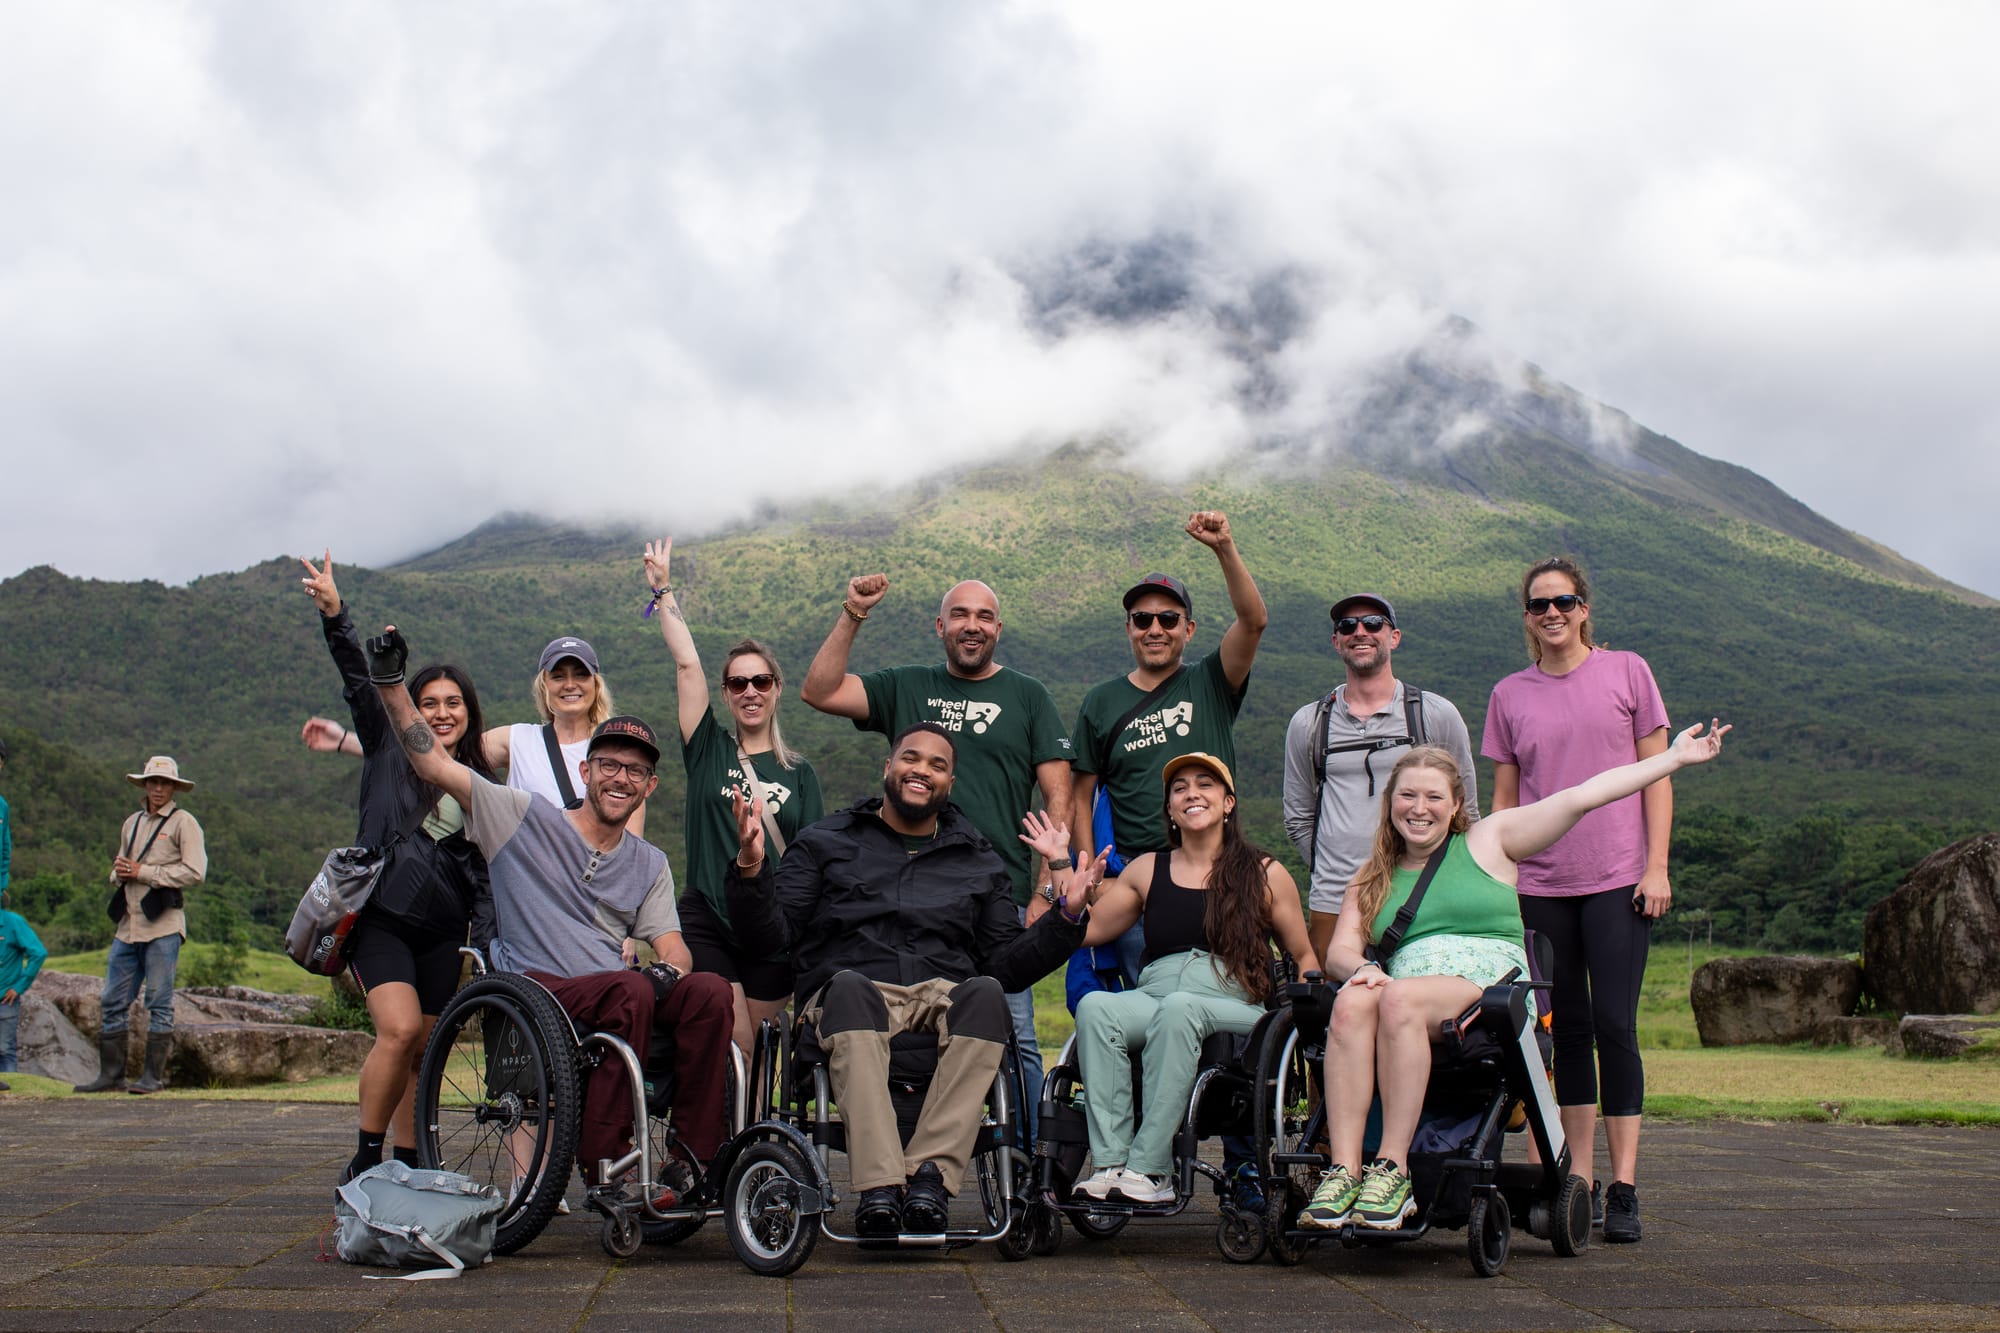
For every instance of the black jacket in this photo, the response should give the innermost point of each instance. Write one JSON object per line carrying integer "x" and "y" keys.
{"x": 849, "y": 894}
{"x": 434, "y": 881}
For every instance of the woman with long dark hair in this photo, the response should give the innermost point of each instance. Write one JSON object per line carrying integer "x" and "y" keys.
{"x": 403, "y": 952}
{"x": 1211, "y": 903}
{"x": 752, "y": 759}
{"x": 1466, "y": 934}
{"x": 1577, "y": 709}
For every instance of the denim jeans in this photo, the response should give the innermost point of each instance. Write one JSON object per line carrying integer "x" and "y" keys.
{"x": 1021, "y": 1006}
{"x": 155, "y": 960}
{"x": 10, "y": 1025}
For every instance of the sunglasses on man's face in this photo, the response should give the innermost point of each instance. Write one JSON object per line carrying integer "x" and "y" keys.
{"x": 1373, "y": 624}
{"x": 1144, "y": 619}
{"x": 1566, "y": 603}
{"x": 761, "y": 682}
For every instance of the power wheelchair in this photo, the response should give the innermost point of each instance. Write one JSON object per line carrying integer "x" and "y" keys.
{"x": 779, "y": 1197}
{"x": 1489, "y": 1075}
{"x": 499, "y": 1099}
{"x": 1221, "y": 1102}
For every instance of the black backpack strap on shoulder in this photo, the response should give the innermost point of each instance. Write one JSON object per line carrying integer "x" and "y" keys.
{"x": 570, "y": 800}
{"x": 1110, "y": 738}
{"x": 1322, "y": 724}
{"x": 1392, "y": 938}
{"x": 1413, "y": 713}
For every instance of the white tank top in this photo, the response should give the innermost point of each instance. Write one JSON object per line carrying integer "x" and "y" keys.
{"x": 528, "y": 763}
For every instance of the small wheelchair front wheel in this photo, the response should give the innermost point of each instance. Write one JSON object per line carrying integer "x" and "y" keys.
{"x": 1240, "y": 1236}
{"x": 769, "y": 1229}
{"x": 620, "y": 1235}
{"x": 1045, "y": 1228}
{"x": 1488, "y": 1233}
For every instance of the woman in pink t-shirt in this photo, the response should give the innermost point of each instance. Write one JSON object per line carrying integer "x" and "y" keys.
{"x": 1594, "y": 894}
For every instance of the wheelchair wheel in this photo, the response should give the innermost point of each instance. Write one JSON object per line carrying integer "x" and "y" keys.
{"x": 621, "y": 1235}
{"x": 1282, "y": 1110}
{"x": 1282, "y": 1206}
{"x": 1569, "y": 1231}
{"x": 1240, "y": 1236}
{"x": 767, "y": 1229}
{"x": 1045, "y": 1229}
{"x": 1099, "y": 1226}
{"x": 1019, "y": 1242}
{"x": 497, "y": 1099}
{"x": 1488, "y": 1232}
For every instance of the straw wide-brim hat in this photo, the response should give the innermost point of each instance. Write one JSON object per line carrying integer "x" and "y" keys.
{"x": 160, "y": 766}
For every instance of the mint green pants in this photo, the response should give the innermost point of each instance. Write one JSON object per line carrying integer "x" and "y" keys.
{"x": 1181, "y": 1000}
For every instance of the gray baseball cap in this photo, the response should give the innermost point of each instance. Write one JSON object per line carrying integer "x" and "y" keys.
{"x": 569, "y": 646}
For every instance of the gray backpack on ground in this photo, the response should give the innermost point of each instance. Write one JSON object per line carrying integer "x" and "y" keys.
{"x": 399, "y": 1216}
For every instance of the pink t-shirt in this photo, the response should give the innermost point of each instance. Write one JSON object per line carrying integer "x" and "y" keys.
{"x": 1560, "y": 730}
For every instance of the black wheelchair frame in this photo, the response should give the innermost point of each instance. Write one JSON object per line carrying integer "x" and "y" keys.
{"x": 1490, "y": 1059}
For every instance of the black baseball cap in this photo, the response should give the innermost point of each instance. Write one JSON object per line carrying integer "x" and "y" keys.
{"x": 627, "y": 730}
{"x": 1342, "y": 606}
{"x": 1165, "y": 583}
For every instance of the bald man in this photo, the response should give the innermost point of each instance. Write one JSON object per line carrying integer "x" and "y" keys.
{"x": 1009, "y": 736}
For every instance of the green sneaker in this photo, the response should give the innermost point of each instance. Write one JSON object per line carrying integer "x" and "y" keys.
{"x": 1333, "y": 1201}
{"x": 1384, "y": 1202}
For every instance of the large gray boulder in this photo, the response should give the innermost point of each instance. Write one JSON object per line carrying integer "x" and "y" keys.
{"x": 228, "y": 1036}
{"x": 1933, "y": 946}
{"x": 1771, "y": 1001}
{"x": 1947, "y": 1036}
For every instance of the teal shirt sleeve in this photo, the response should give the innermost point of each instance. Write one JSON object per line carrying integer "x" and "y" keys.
{"x": 6, "y": 844}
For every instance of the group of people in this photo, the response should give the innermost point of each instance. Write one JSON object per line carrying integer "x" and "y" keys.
{"x": 1003, "y": 844}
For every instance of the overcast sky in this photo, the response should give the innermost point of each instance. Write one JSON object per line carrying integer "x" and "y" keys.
{"x": 277, "y": 275}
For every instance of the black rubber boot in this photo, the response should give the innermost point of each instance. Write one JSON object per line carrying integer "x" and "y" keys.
{"x": 110, "y": 1065}
{"x": 158, "y": 1045}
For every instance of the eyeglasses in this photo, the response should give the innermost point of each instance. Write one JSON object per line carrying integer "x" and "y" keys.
{"x": 611, "y": 768}
{"x": 1373, "y": 624}
{"x": 1145, "y": 619}
{"x": 761, "y": 682}
{"x": 1566, "y": 603}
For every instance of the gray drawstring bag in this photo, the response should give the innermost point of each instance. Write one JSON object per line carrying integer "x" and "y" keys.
{"x": 400, "y": 1216}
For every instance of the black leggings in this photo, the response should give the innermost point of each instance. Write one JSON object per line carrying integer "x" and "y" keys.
{"x": 1600, "y": 951}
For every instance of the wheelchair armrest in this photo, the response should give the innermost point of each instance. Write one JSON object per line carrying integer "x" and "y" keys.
{"x": 478, "y": 959}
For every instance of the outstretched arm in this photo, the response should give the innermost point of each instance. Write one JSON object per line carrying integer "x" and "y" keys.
{"x": 690, "y": 685}
{"x": 1527, "y": 829}
{"x": 1210, "y": 527}
{"x": 829, "y": 686}
{"x": 387, "y": 654}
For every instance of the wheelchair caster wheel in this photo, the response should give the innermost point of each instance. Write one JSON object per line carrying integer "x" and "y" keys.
{"x": 620, "y": 1235}
{"x": 1240, "y": 1236}
{"x": 1045, "y": 1230}
{"x": 1488, "y": 1234}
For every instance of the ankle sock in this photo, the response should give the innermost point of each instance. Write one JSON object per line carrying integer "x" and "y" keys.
{"x": 407, "y": 1156}
{"x": 367, "y": 1153}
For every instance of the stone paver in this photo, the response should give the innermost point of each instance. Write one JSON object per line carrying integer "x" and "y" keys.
{"x": 125, "y": 1213}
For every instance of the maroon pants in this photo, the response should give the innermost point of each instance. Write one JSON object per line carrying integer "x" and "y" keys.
{"x": 700, "y": 1011}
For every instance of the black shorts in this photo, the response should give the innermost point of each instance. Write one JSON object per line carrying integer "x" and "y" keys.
{"x": 709, "y": 941}
{"x": 380, "y": 953}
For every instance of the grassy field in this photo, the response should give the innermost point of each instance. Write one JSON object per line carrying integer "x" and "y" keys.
{"x": 1683, "y": 1081}
{"x": 261, "y": 970}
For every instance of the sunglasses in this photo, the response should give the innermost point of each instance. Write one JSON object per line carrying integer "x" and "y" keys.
{"x": 1145, "y": 619}
{"x": 761, "y": 682}
{"x": 1566, "y": 603}
{"x": 611, "y": 768}
{"x": 1373, "y": 624}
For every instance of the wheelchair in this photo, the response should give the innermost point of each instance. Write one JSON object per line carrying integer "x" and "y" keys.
{"x": 1489, "y": 1075}
{"x": 779, "y": 1197}
{"x": 499, "y": 1099}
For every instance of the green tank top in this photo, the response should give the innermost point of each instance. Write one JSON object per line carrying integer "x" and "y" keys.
{"x": 1462, "y": 900}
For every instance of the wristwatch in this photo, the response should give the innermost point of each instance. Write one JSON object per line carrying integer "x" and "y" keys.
{"x": 1049, "y": 895}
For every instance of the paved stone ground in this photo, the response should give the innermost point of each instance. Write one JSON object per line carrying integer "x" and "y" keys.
{"x": 127, "y": 1213}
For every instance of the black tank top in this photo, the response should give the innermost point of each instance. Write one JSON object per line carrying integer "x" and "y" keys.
{"x": 1176, "y": 917}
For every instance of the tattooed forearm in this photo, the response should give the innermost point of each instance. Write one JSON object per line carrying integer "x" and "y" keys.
{"x": 674, "y": 611}
{"x": 418, "y": 737}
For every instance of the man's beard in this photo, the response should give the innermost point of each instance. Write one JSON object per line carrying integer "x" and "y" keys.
{"x": 910, "y": 812}
{"x": 970, "y": 661}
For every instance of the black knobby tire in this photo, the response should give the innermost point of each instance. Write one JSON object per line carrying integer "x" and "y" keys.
{"x": 1569, "y": 1225}
{"x": 768, "y": 1230}
{"x": 1489, "y": 1231}
{"x": 1282, "y": 1206}
{"x": 498, "y": 1099}
{"x": 1240, "y": 1235}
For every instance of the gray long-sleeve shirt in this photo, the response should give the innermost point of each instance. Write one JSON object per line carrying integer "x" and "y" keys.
{"x": 1351, "y": 802}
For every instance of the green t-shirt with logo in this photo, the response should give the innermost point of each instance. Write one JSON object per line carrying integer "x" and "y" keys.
{"x": 1002, "y": 727}
{"x": 1196, "y": 712}
{"x": 713, "y": 774}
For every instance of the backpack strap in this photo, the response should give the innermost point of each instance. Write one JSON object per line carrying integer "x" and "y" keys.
{"x": 1103, "y": 755}
{"x": 570, "y": 800}
{"x": 1392, "y": 938}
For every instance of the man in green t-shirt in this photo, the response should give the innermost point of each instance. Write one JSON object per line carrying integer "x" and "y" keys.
{"x": 1008, "y": 734}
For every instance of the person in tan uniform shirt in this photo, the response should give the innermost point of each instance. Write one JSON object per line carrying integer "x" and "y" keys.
{"x": 160, "y": 855}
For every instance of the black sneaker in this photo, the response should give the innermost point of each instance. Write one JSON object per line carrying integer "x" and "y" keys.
{"x": 1621, "y": 1213}
{"x": 879, "y": 1215}
{"x": 926, "y": 1207}
{"x": 1597, "y": 1204}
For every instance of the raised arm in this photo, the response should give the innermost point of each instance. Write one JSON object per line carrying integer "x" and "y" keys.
{"x": 690, "y": 685}
{"x": 829, "y": 686}
{"x": 1210, "y": 527}
{"x": 1527, "y": 829}
{"x": 387, "y": 654}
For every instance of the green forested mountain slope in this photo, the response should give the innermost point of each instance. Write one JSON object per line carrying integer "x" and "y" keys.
{"x": 1861, "y": 688}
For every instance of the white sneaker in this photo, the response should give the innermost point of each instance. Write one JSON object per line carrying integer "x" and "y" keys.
{"x": 1133, "y": 1187}
{"x": 1099, "y": 1185}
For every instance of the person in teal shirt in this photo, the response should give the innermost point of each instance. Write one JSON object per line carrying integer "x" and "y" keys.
{"x": 21, "y": 951}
